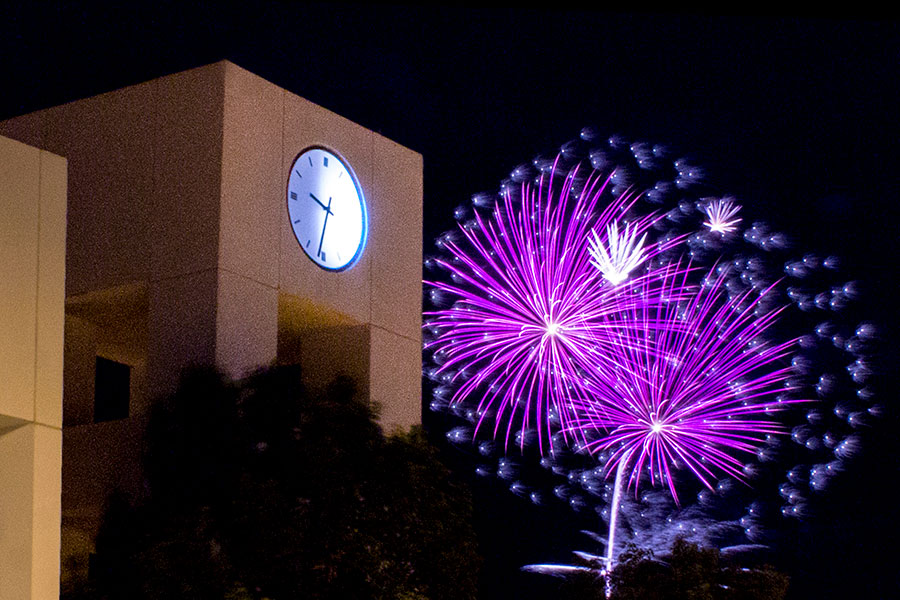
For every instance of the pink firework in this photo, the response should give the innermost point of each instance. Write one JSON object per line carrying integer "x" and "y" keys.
{"x": 536, "y": 286}
{"x": 691, "y": 385}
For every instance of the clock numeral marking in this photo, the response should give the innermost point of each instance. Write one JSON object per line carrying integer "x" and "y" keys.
{"x": 325, "y": 160}
{"x": 307, "y": 243}
{"x": 339, "y": 174}
{"x": 297, "y": 221}
{"x": 323, "y": 257}
{"x": 293, "y": 195}
{"x": 298, "y": 173}
{"x": 309, "y": 158}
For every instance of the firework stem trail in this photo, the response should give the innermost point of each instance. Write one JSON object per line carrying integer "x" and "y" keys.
{"x": 613, "y": 517}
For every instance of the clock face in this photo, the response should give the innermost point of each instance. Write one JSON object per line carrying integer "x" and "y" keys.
{"x": 327, "y": 209}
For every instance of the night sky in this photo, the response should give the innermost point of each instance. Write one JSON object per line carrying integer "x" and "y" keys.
{"x": 796, "y": 117}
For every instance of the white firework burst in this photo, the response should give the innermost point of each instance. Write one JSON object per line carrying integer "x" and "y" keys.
{"x": 619, "y": 255}
{"x": 721, "y": 213}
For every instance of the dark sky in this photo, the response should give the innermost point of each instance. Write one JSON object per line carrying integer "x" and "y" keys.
{"x": 796, "y": 116}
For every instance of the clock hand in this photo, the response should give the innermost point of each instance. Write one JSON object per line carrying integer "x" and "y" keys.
{"x": 325, "y": 224}
{"x": 327, "y": 208}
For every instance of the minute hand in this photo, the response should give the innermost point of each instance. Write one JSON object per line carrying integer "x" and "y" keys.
{"x": 322, "y": 204}
{"x": 325, "y": 224}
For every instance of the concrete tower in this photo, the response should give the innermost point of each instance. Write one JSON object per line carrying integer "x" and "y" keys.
{"x": 180, "y": 251}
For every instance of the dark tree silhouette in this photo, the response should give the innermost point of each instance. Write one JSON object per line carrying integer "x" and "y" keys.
{"x": 688, "y": 572}
{"x": 259, "y": 490}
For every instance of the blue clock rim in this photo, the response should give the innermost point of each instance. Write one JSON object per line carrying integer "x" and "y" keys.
{"x": 364, "y": 236}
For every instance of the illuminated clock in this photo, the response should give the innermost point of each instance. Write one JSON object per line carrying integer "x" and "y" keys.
{"x": 327, "y": 209}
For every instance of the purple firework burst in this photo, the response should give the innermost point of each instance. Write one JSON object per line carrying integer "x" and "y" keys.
{"x": 535, "y": 286}
{"x": 691, "y": 385}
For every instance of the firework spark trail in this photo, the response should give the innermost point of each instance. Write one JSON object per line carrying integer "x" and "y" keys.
{"x": 531, "y": 311}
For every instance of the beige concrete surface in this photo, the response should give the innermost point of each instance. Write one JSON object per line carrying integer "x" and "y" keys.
{"x": 246, "y": 324}
{"x": 51, "y": 290}
{"x": 105, "y": 141}
{"x": 80, "y": 351}
{"x": 19, "y": 218}
{"x": 16, "y": 518}
{"x": 46, "y": 510}
{"x": 187, "y": 172}
{"x": 32, "y": 247}
{"x": 252, "y": 200}
{"x": 396, "y": 239}
{"x": 181, "y": 328}
{"x": 395, "y": 378}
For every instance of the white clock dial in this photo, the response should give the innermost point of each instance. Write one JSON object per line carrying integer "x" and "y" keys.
{"x": 327, "y": 209}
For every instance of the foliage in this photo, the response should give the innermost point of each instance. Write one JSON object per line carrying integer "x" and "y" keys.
{"x": 689, "y": 572}
{"x": 583, "y": 585}
{"x": 259, "y": 490}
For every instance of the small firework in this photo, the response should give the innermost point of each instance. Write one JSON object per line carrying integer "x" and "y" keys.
{"x": 720, "y": 214}
{"x": 619, "y": 255}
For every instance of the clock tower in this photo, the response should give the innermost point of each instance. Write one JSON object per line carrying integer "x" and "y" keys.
{"x": 186, "y": 245}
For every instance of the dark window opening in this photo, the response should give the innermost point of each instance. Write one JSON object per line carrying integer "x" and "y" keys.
{"x": 93, "y": 566}
{"x": 112, "y": 390}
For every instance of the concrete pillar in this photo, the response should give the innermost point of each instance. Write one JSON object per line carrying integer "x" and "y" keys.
{"x": 32, "y": 244}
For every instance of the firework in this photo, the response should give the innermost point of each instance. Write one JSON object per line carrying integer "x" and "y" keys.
{"x": 647, "y": 331}
{"x": 691, "y": 384}
{"x": 532, "y": 308}
{"x": 721, "y": 215}
{"x": 692, "y": 394}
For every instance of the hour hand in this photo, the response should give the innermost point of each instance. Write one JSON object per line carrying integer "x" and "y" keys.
{"x": 322, "y": 204}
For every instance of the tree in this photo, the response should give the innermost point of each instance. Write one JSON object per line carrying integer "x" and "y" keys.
{"x": 260, "y": 490}
{"x": 638, "y": 576}
{"x": 688, "y": 572}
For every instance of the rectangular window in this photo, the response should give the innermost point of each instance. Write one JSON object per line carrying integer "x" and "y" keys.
{"x": 112, "y": 390}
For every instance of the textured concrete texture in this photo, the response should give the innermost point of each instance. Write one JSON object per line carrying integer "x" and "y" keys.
{"x": 32, "y": 244}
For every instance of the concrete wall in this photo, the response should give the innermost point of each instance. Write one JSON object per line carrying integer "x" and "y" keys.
{"x": 143, "y": 204}
{"x": 261, "y": 264}
{"x": 32, "y": 269}
{"x": 141, "y": 266}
